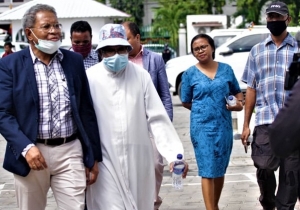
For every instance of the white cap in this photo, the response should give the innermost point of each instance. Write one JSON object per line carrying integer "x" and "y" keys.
{"x": 112, "y": 35}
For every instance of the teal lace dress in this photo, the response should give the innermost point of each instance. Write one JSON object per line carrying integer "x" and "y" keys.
{"x": 211, "y": 124}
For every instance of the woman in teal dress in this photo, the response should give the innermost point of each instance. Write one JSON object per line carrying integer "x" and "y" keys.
{"x": 203, "y": 91}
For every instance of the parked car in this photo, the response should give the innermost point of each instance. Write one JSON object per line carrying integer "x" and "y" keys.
{"x": 158, "y": 48}
{"x": 220, "y": 36}
{"x": 234, "y": 52}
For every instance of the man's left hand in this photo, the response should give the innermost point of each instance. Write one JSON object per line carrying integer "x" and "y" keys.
{"x": 92, "y": 174}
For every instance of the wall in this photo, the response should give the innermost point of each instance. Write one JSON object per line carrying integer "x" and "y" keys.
{"x": 193, "y": 31}
{"x": 149, "y": 5}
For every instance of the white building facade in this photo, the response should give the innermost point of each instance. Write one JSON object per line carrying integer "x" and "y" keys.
{"x": 68, "y": 11}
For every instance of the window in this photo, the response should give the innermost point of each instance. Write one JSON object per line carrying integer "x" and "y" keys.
{"x": 1, "y": 1}
{"x": 219, "y": 40}
{"x": 246, "y": 43}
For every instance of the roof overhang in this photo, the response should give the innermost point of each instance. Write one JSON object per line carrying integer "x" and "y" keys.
{"x": 67, "y": 9}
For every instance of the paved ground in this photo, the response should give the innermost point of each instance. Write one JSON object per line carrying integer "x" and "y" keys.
{"x": 240, "y": 191}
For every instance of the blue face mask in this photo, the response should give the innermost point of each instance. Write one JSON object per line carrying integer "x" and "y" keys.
{"x": 116, "y": 63}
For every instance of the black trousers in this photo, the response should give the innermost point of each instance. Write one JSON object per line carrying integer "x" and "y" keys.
{"x": 288, "y": 185}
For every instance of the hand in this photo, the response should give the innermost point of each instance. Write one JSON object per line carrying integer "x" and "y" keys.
{"x": 245, "y": 135}
{"x": 186, "y": 168}
{"x": 92, "y": 174}
{"x": 237, "y": 107}
{"x": 35, "y": 159}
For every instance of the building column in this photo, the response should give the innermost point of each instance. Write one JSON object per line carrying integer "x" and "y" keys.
{"x": 182, "y": 40}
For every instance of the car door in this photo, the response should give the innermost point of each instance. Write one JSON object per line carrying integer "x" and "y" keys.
{"x": 236, "y": 53}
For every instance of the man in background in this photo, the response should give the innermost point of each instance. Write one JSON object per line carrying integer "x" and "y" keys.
{"x": 166, "y": 53}
{"x": 154, "y": 64}
{"x": 81, "y": 38}
{"x": 7, "y": 49}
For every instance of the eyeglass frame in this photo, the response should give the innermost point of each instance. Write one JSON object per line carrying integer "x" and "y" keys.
{"x": 113, "y": 52}
{"x": 201, "y": 48}
{"x": 48, "y": 27}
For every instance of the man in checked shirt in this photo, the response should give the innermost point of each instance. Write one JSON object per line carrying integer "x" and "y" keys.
{"x": 265, "y": 74}
{"x": 81, "y": 38}
{"x": 47, "y": 117}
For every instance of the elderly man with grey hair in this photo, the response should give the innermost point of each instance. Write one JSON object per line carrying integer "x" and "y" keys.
{"x": 47, "y": 118}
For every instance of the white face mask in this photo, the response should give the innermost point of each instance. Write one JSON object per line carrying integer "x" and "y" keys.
{"x": 47, "y": 46}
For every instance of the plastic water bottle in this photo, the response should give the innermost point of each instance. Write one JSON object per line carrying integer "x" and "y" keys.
{"x": 178, "y": 169}
{"x": 231, "y": 100}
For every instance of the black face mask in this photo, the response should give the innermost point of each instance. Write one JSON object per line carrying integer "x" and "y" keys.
{"x": 276, "y": 27}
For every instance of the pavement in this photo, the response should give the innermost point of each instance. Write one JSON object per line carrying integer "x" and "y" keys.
{"x": 240, "y": 190}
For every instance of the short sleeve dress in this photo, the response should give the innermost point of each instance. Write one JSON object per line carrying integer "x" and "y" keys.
{"x": 210, "y": 121}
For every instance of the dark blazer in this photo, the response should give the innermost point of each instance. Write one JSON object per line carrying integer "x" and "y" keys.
{"x": 155, "y": 65}
{"x": 19, "y": 108}
{"x": 285, "y": 130}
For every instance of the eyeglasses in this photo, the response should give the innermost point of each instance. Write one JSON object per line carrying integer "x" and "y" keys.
{"x": 108, "y": 52}
{"x": 47, "y": 27}
{"x": 201, "y": 48}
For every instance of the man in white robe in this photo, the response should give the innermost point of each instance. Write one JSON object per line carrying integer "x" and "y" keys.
{"x": 127, "y": 107}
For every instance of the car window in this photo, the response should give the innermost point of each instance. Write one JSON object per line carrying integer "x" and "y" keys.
{"x": 245, "y": 44}
{"x": 1, "y": 51}
{"x": 219, "y": 40}
{"x": 23, "y": 46}
{"x": 158, "y": 48}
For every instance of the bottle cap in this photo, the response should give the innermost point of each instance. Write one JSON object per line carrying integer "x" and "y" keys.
{"x": 179, "y": 156}
{"x": 230, "y": 97}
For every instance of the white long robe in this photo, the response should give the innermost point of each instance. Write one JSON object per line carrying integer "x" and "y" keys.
{"x": 127, "y": 104}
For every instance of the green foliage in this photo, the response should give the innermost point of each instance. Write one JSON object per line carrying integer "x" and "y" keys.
{"x": 294, "y": 8}
{"x": 133, "y": 7}
{"x": 250, "y": 10}
{"x": 101, "y": 1}
{"x": 168, "y": 17}
{"x": 207, "y": 6}
{"x": 171, "y": 13}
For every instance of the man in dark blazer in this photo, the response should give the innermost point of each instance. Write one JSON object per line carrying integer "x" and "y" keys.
{"x": 47, "y": 117}
{"x": 155, "y": 65}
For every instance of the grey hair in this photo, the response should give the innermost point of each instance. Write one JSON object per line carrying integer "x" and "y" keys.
{"x": 29, "y": 17}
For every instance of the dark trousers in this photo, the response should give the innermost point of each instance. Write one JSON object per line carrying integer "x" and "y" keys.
{"x": 288, "y": 185}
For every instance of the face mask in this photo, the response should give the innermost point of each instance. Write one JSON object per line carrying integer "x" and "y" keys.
{"x": 47, "y": 46}
{"x": 84, "y": 50}
{"x": 116, "y": 63}
{"x": 276, "y": 27}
